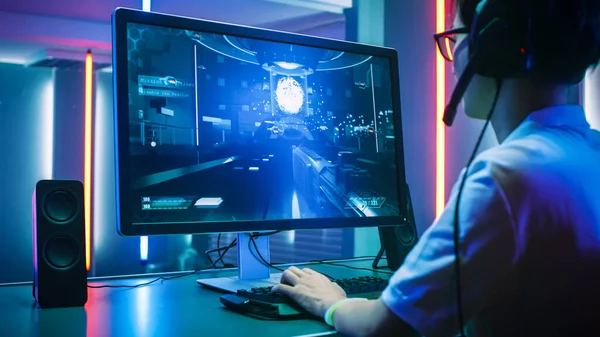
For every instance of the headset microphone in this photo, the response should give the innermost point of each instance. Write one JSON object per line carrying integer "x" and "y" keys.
{"x": 458, "y": 93}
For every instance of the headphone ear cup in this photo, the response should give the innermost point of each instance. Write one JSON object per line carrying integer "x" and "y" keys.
{"x": 495, "y": 44}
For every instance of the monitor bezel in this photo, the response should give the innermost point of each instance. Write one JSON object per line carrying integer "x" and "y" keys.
{"x": 122, "y": 16}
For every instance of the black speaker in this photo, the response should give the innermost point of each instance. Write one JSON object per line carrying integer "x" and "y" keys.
{"x": 59, "y": 277}
{"x": 397, "y": 241}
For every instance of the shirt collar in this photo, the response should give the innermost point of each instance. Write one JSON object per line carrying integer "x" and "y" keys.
{"x": 572, "y": 116}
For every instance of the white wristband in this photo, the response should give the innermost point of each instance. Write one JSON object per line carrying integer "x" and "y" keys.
{"x": 328, "y": 317}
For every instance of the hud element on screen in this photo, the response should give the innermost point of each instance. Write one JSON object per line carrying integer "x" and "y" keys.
{"x": 178, "y": 203}
{"x": 365, "y": 201}
{"x": 167, "y": 86}
{"x": 166, "y": 203}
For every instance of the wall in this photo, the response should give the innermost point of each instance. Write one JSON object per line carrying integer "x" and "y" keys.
{"x": 68, "y": 127}
{"x": 412, "y": 37}
{"x": 113, "y": 254}
{"x": 335, "y": 30}
{"x": 591, "y": 95}
{"x": 384, "y": 22}
{"x": 26, "y": 123}
{"x": 41, "y": 122}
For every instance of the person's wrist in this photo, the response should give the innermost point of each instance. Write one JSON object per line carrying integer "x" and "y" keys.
{"x": 328, "y": 316}
{"x": 329, "y": 303}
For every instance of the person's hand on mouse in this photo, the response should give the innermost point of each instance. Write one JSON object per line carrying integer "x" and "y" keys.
{"x": 312, "y": 291}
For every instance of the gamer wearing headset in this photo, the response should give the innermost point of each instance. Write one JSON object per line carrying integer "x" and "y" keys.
{"x": 529, "y": 234}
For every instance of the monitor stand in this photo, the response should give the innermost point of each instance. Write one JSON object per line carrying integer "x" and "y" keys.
{"x": 252, "y": 271}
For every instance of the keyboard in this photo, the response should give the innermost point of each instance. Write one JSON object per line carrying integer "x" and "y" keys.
{"x": 369, "y": 287}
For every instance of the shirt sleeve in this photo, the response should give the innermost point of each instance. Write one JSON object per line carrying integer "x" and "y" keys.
{"x": 423, "y": 291}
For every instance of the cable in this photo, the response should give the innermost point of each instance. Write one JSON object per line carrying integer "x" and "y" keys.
{"x": 456, "y": 212}
{"x": 227, "y": 248}
{"x": 222, "y": 255}
{"x": 145, "y": 283}
{"x": 352, "y": 267}
{"x": 257, "y": 235}
{"x": 220, "y": 258}
{"x": 225, "y": 265}
{"x": 219, "y": 247}
{"x": 215, "y": 250}
{"x": 208, "y": 255}
{"x": 218, "y": 250}
{"x": 264, "y": 261}
{"x": 162, "y": 278}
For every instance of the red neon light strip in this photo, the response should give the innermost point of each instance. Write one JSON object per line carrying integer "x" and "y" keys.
{"x": 87, "y": 165}
{"x": 440, "y": 132}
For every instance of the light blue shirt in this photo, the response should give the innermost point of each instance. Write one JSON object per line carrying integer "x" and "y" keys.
{"x": 530, "y": 231}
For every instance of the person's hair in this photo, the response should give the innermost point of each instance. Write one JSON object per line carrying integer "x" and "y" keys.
{"x": 565, "y": 34}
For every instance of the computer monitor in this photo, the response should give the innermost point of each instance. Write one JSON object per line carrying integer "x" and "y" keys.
{"x": 227, "y": 128}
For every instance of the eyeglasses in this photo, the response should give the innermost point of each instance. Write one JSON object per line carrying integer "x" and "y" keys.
{"x": 446, "y": 40}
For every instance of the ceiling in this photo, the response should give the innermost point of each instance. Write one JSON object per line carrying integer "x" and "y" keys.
{"x": 95, "y": 10}
{"x": 235, "y": 11}
{"x": 77, "y": 24}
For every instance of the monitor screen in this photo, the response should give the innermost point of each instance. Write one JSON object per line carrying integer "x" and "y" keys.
{"x": 234, "y": 131}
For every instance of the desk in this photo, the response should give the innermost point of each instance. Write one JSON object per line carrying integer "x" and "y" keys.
{"x": 173, "y": 308}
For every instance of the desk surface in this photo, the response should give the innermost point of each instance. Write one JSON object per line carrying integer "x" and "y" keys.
{"x": 178, "y": 307}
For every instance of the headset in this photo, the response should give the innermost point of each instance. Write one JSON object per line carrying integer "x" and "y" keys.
{"x": 499, "y": 46}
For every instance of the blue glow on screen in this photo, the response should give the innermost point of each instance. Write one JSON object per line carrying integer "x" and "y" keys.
{"x": 256, "y": 130}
